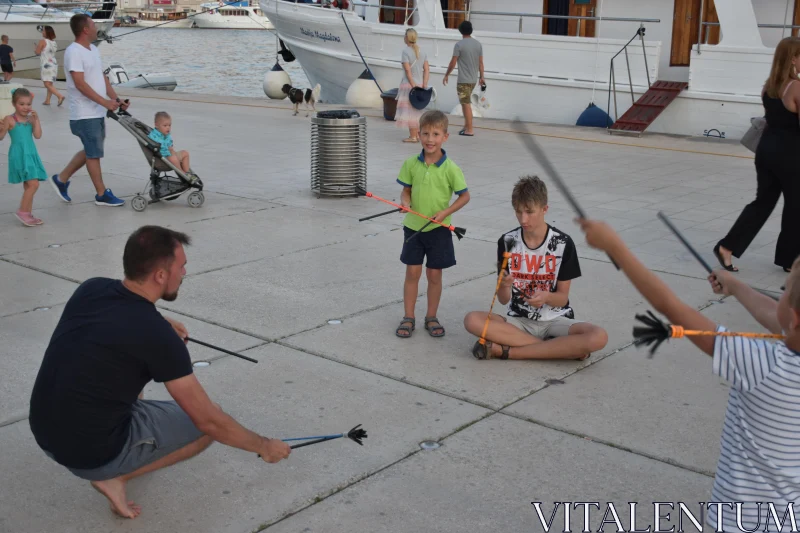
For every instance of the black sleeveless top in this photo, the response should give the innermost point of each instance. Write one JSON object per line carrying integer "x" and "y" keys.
{"x": 780, "y": 121}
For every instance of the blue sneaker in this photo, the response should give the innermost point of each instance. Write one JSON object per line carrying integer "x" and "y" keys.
{"x": 61, "y": 188}
{"x": 108, "y": 199}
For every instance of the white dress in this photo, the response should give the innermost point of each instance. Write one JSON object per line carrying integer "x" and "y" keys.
{"x": 48, "y": 61}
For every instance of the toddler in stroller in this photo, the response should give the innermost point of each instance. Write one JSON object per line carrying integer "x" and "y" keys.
{"x": 168, "y": 180}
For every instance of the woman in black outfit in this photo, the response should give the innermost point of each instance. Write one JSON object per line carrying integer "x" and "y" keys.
{"x": 776, "y": 165}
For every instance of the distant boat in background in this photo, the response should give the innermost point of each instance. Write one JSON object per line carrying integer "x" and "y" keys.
{"x": 236, "y": 16}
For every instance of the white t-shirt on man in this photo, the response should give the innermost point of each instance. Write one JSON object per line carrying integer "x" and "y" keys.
{"x": 79, "y": 59}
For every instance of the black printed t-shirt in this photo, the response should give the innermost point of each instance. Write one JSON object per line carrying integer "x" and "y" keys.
{"x": 5, "y": 54}
{"x": 108, "y": 344}
{"x": 538, "y": 269}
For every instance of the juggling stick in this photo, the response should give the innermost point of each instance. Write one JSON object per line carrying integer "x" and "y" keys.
{"x": 419, "y": 231}
{"x": 541, "y": 157}
{"x": 459, "y": 232}
{"x": 380, "y": 214}
{"x": 223, "y": 350}
{"x": 503, "y": 266}
{"x": 356, "y": 435}
{"x": 694, "y": 252}
{"x": 655, "y": 332}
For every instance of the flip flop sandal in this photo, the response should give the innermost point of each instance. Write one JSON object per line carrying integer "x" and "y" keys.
{"x": 718, "y": 255}
{"x": 403, "y": 327}
{"x": 484, "y": 351}
{"x": 463, "y": 133}
{"x": 430, "y": 319}
{"x": 61, "y": 101}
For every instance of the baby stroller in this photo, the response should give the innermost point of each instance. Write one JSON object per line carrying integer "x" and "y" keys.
{"x": 163, "y": 185}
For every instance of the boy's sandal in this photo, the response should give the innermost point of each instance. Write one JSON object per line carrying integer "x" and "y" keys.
{"x": 434, "y": 331}
{"x": 407, "y": 329}
{"x": 484, "y": 351}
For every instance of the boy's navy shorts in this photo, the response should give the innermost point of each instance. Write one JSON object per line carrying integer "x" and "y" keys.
{"x": 436, "y": 245}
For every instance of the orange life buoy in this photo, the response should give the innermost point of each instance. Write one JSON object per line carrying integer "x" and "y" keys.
{"x": 343, "y": 4}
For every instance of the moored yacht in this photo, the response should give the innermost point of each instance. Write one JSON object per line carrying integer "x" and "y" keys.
{"x": 22, "y": 20}
{"x": 231, "y": 16}
{"x": 165, "y": 19}
{"x": 701, "y": 63}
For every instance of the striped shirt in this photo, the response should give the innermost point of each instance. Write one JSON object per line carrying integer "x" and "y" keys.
{"x": 760, "y": 447}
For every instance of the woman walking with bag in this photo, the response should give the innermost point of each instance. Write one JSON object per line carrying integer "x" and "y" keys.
{"x": 775, "y": 165}
{"x": 46, "y": 50}
{"x": 416, "y": 68}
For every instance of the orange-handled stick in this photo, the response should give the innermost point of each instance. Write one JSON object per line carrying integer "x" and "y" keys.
{"x": 458, "y": 231}
{"x": 677, "y": 332}
{"x": 506, "y": 255}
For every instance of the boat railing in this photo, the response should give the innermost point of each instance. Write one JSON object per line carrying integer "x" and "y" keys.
{"x": 703, "y": 36}
{"x": 612, "y": 78}
{"x": 580, "y": 19}
{"x": 63, "y": 7}
{"x": 521, "y": 16}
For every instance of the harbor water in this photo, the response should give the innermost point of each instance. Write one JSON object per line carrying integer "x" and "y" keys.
{"x": 219, "y": 62}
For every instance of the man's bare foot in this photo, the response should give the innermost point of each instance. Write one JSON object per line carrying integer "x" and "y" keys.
{"x": 114, "y": 490}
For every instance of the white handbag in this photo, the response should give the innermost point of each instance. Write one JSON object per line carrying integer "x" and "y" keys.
{"x": 752, "y": 137}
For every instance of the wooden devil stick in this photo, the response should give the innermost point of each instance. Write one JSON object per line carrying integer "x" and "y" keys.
{"x": 655, "y": 332}
{"x": 541, "y": 157}
{"x": 694, "y": 252}
{"x": 459, "y": 232}
{"x": 503, "y": 265}
{"x": 507, "y": 243}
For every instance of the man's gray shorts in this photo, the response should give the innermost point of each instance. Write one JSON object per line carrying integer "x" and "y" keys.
{"x": 157, "y": 429}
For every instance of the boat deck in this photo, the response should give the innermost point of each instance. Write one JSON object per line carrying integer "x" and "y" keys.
{"x": 271, "y": 264}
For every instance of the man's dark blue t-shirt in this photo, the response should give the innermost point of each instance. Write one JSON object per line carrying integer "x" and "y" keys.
{"x": 5, "y": 54}
{"x": 108, "y": 344}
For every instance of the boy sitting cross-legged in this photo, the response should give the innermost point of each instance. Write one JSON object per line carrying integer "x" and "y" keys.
{"x": 535, "y": 286}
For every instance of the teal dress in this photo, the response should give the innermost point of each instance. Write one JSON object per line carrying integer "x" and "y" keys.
{"x": 24, "y": 163}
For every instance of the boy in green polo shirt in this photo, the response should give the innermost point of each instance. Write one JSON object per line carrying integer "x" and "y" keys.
{"x": 429, "y": 181}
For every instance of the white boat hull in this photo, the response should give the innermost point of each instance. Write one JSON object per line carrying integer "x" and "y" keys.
{"x": 217, "y": 21}
{"x": 184, "y": 24}
{"x": 24, "y": 37}
{"x": 322, "y": 45}
{"x": 159, "y": 82}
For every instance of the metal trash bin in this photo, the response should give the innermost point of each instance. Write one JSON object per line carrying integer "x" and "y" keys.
{"x": 389, "y": 104}
{"x": 338, "y": 153}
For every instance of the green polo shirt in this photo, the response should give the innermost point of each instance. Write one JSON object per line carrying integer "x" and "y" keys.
{"x": 432, "y": 187}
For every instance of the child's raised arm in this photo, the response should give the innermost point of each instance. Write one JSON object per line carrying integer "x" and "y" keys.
{"x": 761, "y": 307}
{"x": 600, "y": 235}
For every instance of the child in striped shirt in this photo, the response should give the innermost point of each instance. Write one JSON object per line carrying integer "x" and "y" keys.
{"x": 759, "y": 462}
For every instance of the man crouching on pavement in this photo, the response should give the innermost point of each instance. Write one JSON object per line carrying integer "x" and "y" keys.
{"x": 87, "y": 411}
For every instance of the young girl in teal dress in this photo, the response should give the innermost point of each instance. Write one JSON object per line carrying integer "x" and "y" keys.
{"x": 24, "y": 164}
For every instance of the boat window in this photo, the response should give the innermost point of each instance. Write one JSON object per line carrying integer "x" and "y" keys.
{"x": 396, "y": 16}
{"x": 16, "y": 2}
{"x": 452, "y": 20}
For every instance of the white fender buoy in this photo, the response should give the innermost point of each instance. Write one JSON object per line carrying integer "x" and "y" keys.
{"x": 274, "y": 81}
{"x": 364, "y": 92}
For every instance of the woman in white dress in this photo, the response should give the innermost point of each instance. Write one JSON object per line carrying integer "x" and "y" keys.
{"x": 416, "y": 73}
{"x": 46, "y": 50}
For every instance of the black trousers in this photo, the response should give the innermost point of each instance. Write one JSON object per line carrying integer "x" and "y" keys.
{"x": 777, "y": 174}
